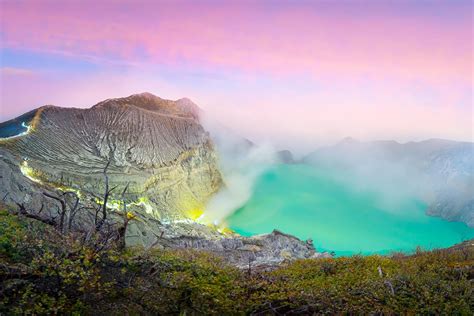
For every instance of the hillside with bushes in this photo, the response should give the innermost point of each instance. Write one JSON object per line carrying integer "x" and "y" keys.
{"x": 43, "y": 271}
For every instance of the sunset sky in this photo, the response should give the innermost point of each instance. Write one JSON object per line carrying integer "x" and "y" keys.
{"x": 293, "y": 73}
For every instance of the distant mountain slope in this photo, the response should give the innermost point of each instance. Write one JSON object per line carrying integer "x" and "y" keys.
{"x": 438, "y": 171}
{"x": 156, "y": 145}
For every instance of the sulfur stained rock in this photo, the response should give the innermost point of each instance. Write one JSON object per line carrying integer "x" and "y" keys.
{"x": 156, "y": 145}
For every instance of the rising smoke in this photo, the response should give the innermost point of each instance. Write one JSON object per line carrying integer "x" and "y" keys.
{"x": 393, "y": 173}
{"x": 241, "y": 163}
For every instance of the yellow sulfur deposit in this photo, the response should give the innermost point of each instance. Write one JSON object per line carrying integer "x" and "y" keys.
{"x": 195, "y": 214}
{"x": 225, "y": 231}
{"x": 35, "y": 176}
{"x": 130, "y": 215}
{"x": 29, "y": 172}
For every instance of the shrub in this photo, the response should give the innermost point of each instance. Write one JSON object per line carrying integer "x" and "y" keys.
{"x": 44, "y": 272}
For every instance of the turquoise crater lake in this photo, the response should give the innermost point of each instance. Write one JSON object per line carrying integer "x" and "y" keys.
{"x": 310, "y": 203}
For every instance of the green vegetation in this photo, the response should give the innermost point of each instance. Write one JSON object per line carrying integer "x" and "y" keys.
{"x": 45, "y": 272}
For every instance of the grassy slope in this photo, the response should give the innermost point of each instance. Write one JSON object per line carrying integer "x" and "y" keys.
{"x": 43, "y": 272}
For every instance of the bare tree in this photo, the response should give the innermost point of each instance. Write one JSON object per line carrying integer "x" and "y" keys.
{"x": 66, "y": 211}
{"x": 23, "y": 211}
{"x": 74, "y": 209}
{"x": 126, "y": 219}
{"x": 69, "y": 204}
{"x": 5, "y": 196}
{"x": 103, "y": 208}
{"x": 62, "y": 210}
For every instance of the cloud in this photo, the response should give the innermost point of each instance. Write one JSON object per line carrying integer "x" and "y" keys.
{"x": 11, "y": 71}
{"x": 297, "y": 75}
{"x": 324, "y": 41}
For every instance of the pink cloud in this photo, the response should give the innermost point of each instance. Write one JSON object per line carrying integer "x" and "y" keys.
{"x": 12, "y": 71}
{"x": 374, "y": 74}
{"x": 247, "y": 37}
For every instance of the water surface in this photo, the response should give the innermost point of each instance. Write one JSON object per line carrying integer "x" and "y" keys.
{"x": 17, "y": 126}
{"x": 310, "y": 203}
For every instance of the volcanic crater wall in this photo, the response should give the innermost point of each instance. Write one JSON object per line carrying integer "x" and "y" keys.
{"x": 157, "y": 146}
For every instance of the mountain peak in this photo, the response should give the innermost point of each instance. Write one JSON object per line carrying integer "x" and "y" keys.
{"x": 348, "y": 140}
{"x": 147, "y": 101}
{"x": 144, "y": 96}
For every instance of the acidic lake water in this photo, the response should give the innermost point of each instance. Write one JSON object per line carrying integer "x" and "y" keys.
{"x": 307, "y": 203}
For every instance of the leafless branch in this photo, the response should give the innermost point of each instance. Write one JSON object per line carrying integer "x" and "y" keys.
{"x": 62, "y": 211}
{"x": 27, "y": 214}
{"x": 123, "y": 229}
{"x": 107, "y": 191}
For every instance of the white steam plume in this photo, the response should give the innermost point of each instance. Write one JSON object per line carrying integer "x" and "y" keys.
{"x": 241, "y": 163}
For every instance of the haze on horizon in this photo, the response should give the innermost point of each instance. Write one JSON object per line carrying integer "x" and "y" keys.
{"x": 292, "y": 74}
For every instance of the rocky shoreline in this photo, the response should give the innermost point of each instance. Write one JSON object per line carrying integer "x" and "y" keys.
{"x": 260, "y": 251}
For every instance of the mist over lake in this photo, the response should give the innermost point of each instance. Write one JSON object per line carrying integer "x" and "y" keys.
{"x": 312, "y": 203}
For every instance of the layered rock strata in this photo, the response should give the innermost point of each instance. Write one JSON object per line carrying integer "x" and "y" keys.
{"x": 156, "y": 146}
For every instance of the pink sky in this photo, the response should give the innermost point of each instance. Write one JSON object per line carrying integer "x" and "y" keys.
{"x": 277, "y": 70}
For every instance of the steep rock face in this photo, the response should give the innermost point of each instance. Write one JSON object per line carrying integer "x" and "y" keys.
{"x": 157, "y": 146}
{"x": 262, "y": 251}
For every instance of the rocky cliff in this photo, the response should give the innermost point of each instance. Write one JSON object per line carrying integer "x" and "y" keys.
{"x": 157, "y": 146}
